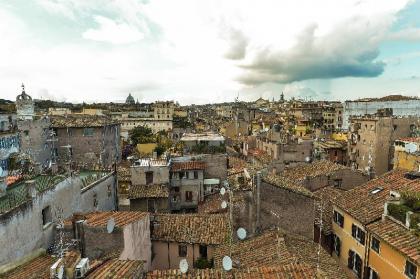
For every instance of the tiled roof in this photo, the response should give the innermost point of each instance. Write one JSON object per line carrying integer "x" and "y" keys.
{"x": 317, "y": 168}
{"x": 148, "y": 191}
{"x": 290, "y": 271}
{"x": 282, "y": 182}
{"x": 190, "y": 165}
{"x": 398, "y": 237}
{"x": 117, "y": 269}
{"x": 367, "y": 207}
{"x": 212, "y": 203}
{"x": 121, "y": 218}
{"x": 38, "y": 268}
{"x": 268, "y": 249}
{"x": 80, "y": 121}
{"x": 307, "y": 252}
{"x": 191, "y": 228}
{"x": 325, "y": 197}
{"x": 330, "y": 144}
{"x": 123, "y": 173}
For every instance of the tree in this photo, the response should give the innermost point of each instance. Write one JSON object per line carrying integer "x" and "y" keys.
{"x": 142, "y": 134}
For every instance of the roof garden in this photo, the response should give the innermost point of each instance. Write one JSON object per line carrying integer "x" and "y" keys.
{"x": 408, "y": 209}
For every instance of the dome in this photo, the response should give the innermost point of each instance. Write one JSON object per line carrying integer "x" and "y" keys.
{"x": 23, "y": 95}
{"x": 130, "y": 99}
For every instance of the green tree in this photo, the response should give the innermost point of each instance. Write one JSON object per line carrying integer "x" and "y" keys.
{"x": 142, "y": 134}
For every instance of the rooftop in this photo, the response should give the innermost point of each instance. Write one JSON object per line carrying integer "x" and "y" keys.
{"x": 190, "y": 165}
{"x": 317, "y": 168}
{"x": 410, "y": 139}
{"x": 148, "y": 191}
{"x": 80, "y": 121}
{"x": 285, "y": 183}
{"x": 149, "y": 162}
{"x": 121, "y": 218}
{"x": 268, "y": 249}
{"x": 366, "y": 202}
{"x": 202, "y": 137}
{"x": 191, "y": 228}
{"x": 37, "y": 268}
{"x": 289, "y": 271}
{"x": 117, "y": 269}
{"x": 398, "y": 237}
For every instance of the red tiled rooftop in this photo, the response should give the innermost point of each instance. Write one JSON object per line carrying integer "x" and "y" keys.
{"x": 121, "y": 218}
{"x": 190, "y": 165}
{"x": 117, "y": 269}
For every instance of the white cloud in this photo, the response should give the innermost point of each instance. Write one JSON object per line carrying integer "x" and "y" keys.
{"x": 113, "y": 32}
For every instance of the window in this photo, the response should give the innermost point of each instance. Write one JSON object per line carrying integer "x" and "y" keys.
{"x": 358, "y": 234}
{"x": 354, "y": 262}
{"x": 338, "y": 182}
{"x": 337, "y": 245}
{"x": 371, "y": 274}
{"x": 195, "y": 174}
{"x": 149, "y": 177}
{"x": 182, "y": 250}
{"x": 176, "y": 189}
{"x": 203, "y": 251}
{"x": 46, "y": 216}
{"x": 181, "y": 175}
{"x": 338, "y": 218}
{"x": 109, "y": 191}
{"x": 375, "y": 245}
{"x": 88, "y": 132}
{"x": 95, "y": 200}
{"x": 188, "y": 196}
{"x": 187, "y": 174}
{"x": 26, "y": 133}
{"x": 151, "y": 206}
{"x": 410, "y": 270}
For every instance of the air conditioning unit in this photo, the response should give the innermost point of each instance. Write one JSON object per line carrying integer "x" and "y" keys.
{"x": 81, "y": 268}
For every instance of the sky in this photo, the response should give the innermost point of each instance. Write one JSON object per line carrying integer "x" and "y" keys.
{"x": 208, "y": 51}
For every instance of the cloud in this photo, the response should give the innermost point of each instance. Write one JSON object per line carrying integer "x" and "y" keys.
{"x": 408, "y": 34}
{"x": 349, "y": 50}
{"x": 237, "y": 45}
{"x": 304, "y": 92}
{"x": 113, "y": 32}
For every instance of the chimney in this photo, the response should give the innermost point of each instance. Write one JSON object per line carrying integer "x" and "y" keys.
{"x": 257, "y": 226}
{"x": 30, "y": 186}
{"x": 408, "y": 218}
{"x": 80, "y": 232}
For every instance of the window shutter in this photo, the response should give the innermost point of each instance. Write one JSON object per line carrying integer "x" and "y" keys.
{"x": 338, "y": 246}
{"x": 362, "y": 237}
{"x": 341, "y": 218}
{"x": 353, "y": 230}
{"x": 358, "y": 266}
{"x": 366, "y": 273}
{"x": 350, "y": 261}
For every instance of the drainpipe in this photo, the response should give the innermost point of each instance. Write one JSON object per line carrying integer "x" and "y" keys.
{"x": 258, "y": 199}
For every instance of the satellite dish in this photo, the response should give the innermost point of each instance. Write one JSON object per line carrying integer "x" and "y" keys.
{"x": 110, "y": 225}
{"x": 222, "y": 191}
{"x": 307, "y": 159}
{"x": 410, "y": 147}
{"x": 224, "y": 204}
{"x": 60, "y": 272}
{"x": 183, "y": 266}
{"x": 227, "y": 263}
{"x": 241, "y": 232}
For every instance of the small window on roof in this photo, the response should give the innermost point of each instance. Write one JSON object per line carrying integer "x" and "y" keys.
{"x": 376, "y": 190}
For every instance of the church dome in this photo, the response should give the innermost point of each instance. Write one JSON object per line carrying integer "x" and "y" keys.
{"x": 23, "y": 95}
{"x": 130, "y": 99}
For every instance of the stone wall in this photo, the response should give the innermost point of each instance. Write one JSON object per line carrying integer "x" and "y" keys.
{"x": 293, "y": 212}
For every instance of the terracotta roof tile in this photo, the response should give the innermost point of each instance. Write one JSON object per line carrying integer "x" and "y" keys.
{"x": 317, "y": 168}
{"x": 121, "y": 218}
{"x": 148, "y": 191}
{"x": 367, "y": 207}
{"x": 80, "y": 121}
{"x": 290, "y": 271}
{"x": 283, "y": 182}
{"x": 190, "y": 165}
{"x": 398, "y": 237}
{"x": 307, "y": 252}
{"x": 35, "y": 269}
{"x": 325, "y": 197}
{"x": 268, "y": 249}
{"x": 191, "y": 228}
{"x": 117, "y": 269}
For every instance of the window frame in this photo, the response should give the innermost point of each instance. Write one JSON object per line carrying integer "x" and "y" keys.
{"x": 358, "y": 233}
{"x": 46, "y": 216}
{"x": 187, "y": 194}
{"x": 374, "y": 248}
{"x": 147, "y": 175}
{"x": 410, "y": 264}
{"x": 88, "y": 132}
{"x": 182, "y": 250}
{"x": 336, "y": 218}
